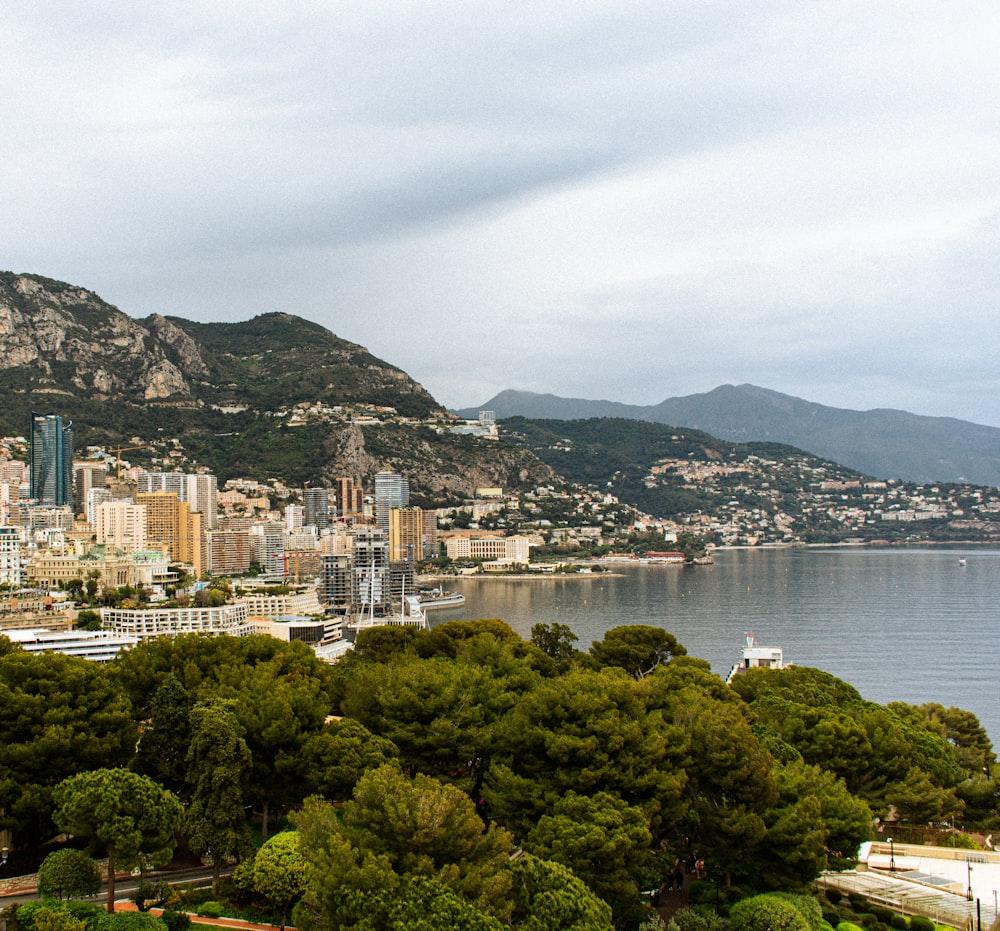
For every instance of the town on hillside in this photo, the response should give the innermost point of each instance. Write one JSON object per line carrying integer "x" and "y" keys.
{"x": 90, "y": 538}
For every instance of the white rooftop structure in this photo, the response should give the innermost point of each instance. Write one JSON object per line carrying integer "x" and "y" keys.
{"x": 100, "y": 646}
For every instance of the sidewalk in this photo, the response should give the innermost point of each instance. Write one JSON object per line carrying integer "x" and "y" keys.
{"x": 198, "y": 919}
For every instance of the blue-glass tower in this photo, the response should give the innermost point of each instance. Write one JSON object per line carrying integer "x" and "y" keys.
{"x": 51, "y": 459}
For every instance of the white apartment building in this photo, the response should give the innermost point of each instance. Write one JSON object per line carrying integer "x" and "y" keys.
{"x": 294, "y": 517}
{"x": 143, "y": 623}
{"x": 10, "y": 556}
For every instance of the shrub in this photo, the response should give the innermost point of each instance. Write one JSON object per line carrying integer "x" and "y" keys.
{"x": 695, "y": 919}
{"x": 766, "y": 913}
{"x": 213, "y": 909}
{"x": 130, "y": 921}
{"x": 833, "y": 896}
{"x": 848, "y": 926}
{"x": 919, "y": 923}
{"x": 899, "y": 922}
{"x": 831, "y": 917}
{"x": 881, "y": 912}
{"x": 959, "y": 840}
{"x": 149, "y": 894}
{"x": 806, "y": 905}
{"x": 175, "y": 921}
{"x": 68, "y": 873}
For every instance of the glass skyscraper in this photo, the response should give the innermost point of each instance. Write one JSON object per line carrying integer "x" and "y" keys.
{"x": 51, "y": 459}
{"x": 391, "y": 491}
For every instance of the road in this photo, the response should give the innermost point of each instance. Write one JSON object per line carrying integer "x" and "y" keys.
{"x": 200, "y": 876}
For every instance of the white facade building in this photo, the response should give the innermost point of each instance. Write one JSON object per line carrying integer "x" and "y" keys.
{"x": 10, "y": 556}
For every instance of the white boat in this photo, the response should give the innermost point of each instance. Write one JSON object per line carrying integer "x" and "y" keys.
{"x": 755, "y": 657}
{"x": 437, "y": 598}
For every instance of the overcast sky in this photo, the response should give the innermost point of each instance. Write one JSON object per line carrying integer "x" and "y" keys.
{"x": 626, "y": 201}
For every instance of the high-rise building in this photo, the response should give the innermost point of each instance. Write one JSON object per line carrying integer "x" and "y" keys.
{"x": 95, "y": 497}
{"x": 173, "y": 523}
{"x": 203, "y": 496}
{"x": 294, "y": 517}
{"x": 391, "y": 491}
{"x": 200, "y": 491}
{"x": 228, "y": 551}
{"x": 349, "y": 500}
{"x": 370, "y": 572}
{"x": 406, "y": 534}
{"x": 51, "y": 459}
{"x": 88, "y": 474}
{"x": 267, "y": 548}
{"x": 317, "y": 508}
{"x": 10, "y": 513}
{"x": 336, "y": 581}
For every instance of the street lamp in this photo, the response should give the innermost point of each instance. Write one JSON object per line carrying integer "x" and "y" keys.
{"x": 892, "y": 856}
{"x": 4, "y": 854}
{"x": 968, "y": 885}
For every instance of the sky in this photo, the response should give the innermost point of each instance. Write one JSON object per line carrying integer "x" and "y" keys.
{"x": 607, "y": 200}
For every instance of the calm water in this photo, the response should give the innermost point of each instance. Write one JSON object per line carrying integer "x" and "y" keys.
{"x": 898, "y": 624}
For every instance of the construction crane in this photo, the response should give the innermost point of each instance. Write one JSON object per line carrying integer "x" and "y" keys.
{"x": 123, "y": 449}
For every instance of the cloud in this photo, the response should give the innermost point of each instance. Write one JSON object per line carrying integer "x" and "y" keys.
{"x": 585, "y": 198}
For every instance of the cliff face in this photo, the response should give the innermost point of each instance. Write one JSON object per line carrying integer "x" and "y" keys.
{"x": 59, "y": 338}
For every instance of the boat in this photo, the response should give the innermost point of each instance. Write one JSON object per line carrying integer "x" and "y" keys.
{"x": 755, "y": 657}
{"x": 437, "y": 598}
{"x": 961, "y": 560}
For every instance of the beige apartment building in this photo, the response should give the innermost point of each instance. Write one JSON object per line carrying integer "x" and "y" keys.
{"x": 172, "y": 522}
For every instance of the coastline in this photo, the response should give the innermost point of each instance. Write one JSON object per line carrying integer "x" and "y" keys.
{"x": 521, "y": 577}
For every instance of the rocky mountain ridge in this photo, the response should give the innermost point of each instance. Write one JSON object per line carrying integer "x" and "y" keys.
{"x": 276, "y": 396}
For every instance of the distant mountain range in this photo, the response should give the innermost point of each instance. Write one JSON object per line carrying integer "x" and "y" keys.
{"x": 882, "y": 443}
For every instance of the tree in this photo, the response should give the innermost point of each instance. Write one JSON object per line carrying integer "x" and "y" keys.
{"x": 601, "y": 839}
{"x": 70, "y": 873}
{"x": 163, "y": 746}
{"x": 129, "y": 815}
{"x": 636, "y": 648}
{"x": 555, "y": 641}
{"x": 397, "y": 828}
{"x": 585, "y": 732}
{"x": 277, "y": 712}
{"x": 548, "y": 895}
{"x": 728, "y": 782}
{"x": 277, "y": 872}
{"x": 442, "y": 714}
{"x": 88, "y": 619}
{"x": 845, "y": 821}
{"x": 218, "y": 763}
{"x": 335, "y": 758}
{"x": 59, "y": 715}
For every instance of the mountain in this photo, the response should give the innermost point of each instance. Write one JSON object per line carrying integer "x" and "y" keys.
{"x": 272, "y": 397}
{"x": 882, "y": 443}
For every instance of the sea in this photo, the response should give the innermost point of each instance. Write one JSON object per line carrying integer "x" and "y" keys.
{"x": 915, "y": 625}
